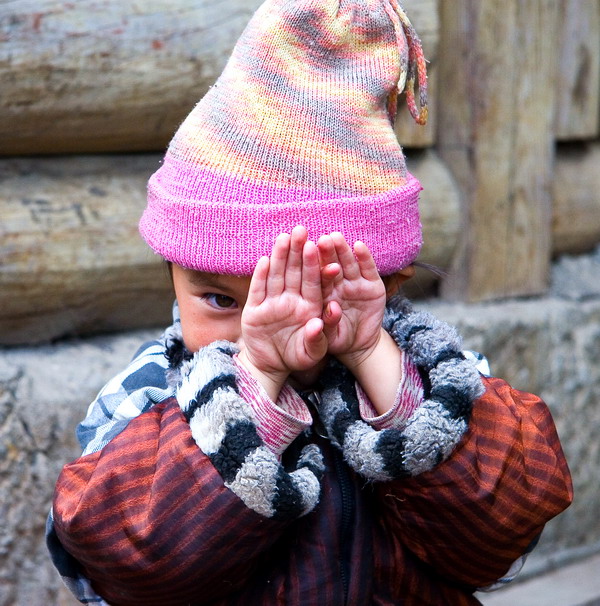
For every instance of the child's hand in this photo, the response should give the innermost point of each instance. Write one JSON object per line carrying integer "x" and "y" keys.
{"x": 354, "y": 298}
{"x": 282, "y": 330}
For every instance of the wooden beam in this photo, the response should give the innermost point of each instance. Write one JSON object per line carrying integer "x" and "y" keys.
{"x": 497, "y": 68}
{"x": 108, "y": 76}
{"x": 578, "y": 104}
{"x": 72, "y": 262}
{"x": 576, "y": 201}
{"x": 71, "y": 259}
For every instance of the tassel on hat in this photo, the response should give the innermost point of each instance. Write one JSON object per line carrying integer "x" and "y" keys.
{"x": 296, "y": 131}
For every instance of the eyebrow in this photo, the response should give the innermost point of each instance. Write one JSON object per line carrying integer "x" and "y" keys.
{"x": 201, "y": 278}
{"x": 208, "y": 280}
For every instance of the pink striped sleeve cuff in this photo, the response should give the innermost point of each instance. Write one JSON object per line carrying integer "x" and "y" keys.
{"x": 278, "y": 423}
{"x": 408, "y": 398}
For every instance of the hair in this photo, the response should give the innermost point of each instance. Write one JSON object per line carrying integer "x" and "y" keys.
{"x": 394, "y": 282}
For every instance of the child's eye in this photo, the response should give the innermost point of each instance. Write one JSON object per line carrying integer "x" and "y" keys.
{"x": 219, "y": 301}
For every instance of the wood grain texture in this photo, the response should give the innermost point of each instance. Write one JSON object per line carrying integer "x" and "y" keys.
{"x": 106, "y": 75}
{"x": 576, "y": 201}
{"x": 439, "y": 204}
{"x": 497, "y": 66}
{"x": 578, "y": 79}
{"x": 71, "y": 260}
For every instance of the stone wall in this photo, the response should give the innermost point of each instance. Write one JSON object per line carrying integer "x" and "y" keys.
{"x": 548, "y": 345}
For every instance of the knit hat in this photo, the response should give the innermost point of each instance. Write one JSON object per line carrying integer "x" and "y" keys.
{"x": 296, "y": 131}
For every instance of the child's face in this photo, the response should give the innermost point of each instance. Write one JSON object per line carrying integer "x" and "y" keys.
{"x": 210, "y": 306}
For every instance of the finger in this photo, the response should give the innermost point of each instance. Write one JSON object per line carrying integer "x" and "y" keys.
{"x": 346, "y": 257}
{"x": 277, "y": 265}
{"x": 315, "y": 342}
{"x": 258, "y": 283}
{"x": 293, "y": 271}
{"x": 327, "y": 254}
{"x": 311, "y": 274}
{"x": 332, "y": 315}
{"x": 331, "y": 270}
{"x": 366, "y": 263}
{"x": 329, "y": 275}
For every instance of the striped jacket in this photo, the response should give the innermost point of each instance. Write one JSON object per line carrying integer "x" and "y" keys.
{"x": 179, "y": 499}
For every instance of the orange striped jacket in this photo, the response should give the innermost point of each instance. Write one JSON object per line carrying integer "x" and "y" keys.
{"x": 150, "y": 521}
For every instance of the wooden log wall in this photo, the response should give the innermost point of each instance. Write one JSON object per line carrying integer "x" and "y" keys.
{"x": 424, "y": 15}
{"x": 72, "y": 260}
{"x": 508, "y": 80}
{"x": 106, "y": 76}
{"x": 578, "y": 89}
{"x": 496, "y": 135}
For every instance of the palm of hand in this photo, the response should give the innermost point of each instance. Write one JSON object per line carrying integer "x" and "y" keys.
{"x": 306, "y": 301}
{"x": 361, "y": 304}
{"x": 354, "y": 296}
{"x": 274, "y": 332}
{"x": 282, "y": 328}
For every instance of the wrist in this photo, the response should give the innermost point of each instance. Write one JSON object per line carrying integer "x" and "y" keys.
{"x": 378, "y": 371}
{"x": 271, "y": 381}
{"x": 353, "y": 361}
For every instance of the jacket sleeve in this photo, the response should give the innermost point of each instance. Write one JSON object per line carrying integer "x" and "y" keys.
{"x": 435, "y": 425}
{"x": 152, "y": 516}
{"x": 475, "y": 472}
{"x": 474, "y": 514}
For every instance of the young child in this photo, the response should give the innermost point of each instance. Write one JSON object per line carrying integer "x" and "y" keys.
{"x": 300, "y": 435}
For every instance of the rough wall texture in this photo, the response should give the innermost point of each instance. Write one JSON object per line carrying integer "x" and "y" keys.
{"x": 550, "y": 346}
{"x": 44, "y": 393}
{"x": 106, "y": 75}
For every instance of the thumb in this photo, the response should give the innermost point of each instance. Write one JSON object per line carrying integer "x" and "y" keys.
{"x": 315, "y": 341}
{"x": 331, "y": 318}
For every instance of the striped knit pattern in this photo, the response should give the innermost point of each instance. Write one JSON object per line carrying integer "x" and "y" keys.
{"x": 296, "y": 131}
{"x": 148, "y": 519}
{"x": 434, "y": 429}
{"x": 224, "y": 428}
{"x": 278, "y": 423}
{"x": 124, "y": 537}
{"x": 485, "y": 509}
{"x": 408, "y": 398}
{"x": 150, "y": 522}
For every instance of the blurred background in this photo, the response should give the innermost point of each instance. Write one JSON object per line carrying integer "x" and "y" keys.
{"x": 91, "y": 92}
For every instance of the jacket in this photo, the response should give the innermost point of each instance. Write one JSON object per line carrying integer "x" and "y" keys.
{"x": 183, "y": 503}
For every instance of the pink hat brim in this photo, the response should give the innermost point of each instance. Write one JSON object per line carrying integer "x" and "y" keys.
{"x": 220, "y": 224}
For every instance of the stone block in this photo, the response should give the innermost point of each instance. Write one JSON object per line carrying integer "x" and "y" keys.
{"x": 550, "y": 347}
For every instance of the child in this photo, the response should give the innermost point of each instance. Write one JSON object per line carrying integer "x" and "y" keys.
{"x": 299, "y": 435}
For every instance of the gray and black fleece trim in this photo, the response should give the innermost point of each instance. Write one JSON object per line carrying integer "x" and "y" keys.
{"x": 224, "y": 428}
{"x": 451, "y": 385}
